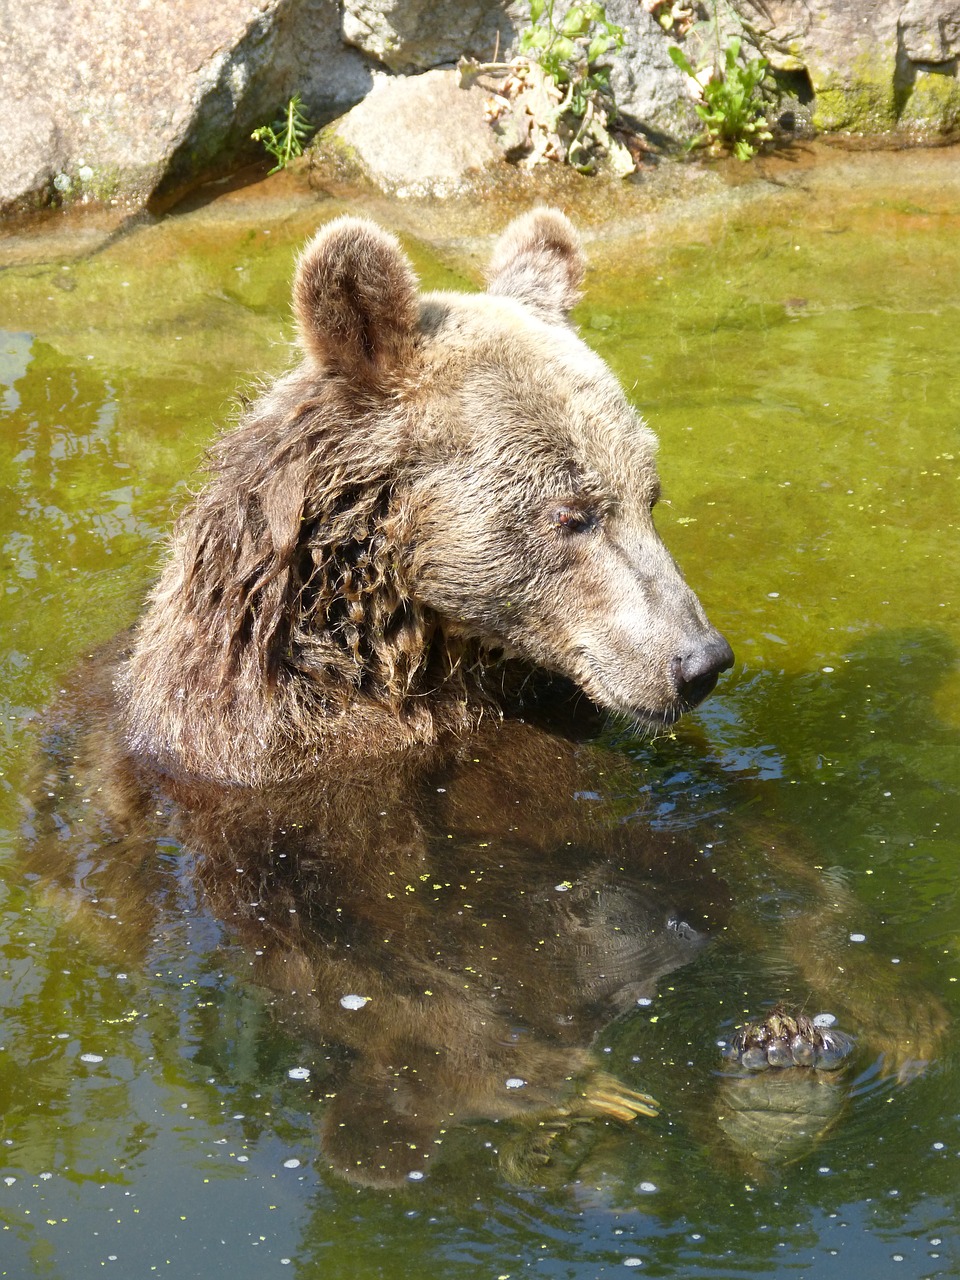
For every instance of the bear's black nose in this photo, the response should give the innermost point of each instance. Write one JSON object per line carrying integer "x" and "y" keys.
{"x": 696, "y": 671}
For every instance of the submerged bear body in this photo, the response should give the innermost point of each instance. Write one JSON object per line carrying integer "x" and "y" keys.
{"x": 449, "y": 490}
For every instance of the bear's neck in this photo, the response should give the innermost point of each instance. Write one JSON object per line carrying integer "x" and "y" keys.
{"x": 338, "y": 691}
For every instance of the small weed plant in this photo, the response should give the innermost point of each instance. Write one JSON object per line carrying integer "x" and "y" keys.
{"x": 555, "y": 96}
{"x": 568, "y": 53}
{"x": 732, "y": 108}
{"x": 285, "y": 138}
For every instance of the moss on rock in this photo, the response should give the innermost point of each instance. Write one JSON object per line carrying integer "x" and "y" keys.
{"x": 862, "y": 100}
{"x": 933, "y": 102}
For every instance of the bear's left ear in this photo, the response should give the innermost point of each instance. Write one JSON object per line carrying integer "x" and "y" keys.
{"x": 539, "y": 261}
{"x": 356, "y": 302}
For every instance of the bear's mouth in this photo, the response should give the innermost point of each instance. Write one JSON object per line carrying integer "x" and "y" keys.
{"x": 643, "y": 717}
{"x": 667, "y": 698}
{"x": 649, "y": 723}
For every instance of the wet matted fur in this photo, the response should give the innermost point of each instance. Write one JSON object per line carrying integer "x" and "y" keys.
{"x": 444, "y": 481}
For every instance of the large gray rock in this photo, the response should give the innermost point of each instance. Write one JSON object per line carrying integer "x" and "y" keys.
{"x": 416, "y": 35}
{"x": 122, "y": 99}
{"x": 930, "y": 31}
{"x": 873, "y": 65}
{"x": 651, "y": 93}
{"x": 414, "y": 136}
{"x": 930, "y": 48}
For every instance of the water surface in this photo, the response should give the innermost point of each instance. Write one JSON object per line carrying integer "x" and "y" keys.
{"x": 796, "y": 352}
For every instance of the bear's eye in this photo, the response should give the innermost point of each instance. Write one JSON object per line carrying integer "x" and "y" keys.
{"x": 572, "y": 519}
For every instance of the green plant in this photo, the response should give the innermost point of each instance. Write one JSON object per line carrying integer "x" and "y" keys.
{"x": 731, "y": 109}
{"x": 284, "y": 138}
{"x": 553, "y": 97}
{"x": 568, "y": 53}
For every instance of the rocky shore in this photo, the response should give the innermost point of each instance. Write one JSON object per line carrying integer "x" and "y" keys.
{"x": 131, "y": 105}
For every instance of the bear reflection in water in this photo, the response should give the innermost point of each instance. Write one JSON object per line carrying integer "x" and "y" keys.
{"x": 483, "y": 899}
{"x": 495, "y": 903}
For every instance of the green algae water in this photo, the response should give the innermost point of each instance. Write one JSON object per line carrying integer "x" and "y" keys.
{"x": 162, "y": 1109}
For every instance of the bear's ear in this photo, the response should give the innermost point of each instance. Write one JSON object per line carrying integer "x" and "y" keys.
{"x": 355, "y": 299}
{"x": 539, "y": 261}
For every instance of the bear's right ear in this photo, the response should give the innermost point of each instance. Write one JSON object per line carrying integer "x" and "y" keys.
{"x": 539, "y": 261}
{"x": 356, "y": 302}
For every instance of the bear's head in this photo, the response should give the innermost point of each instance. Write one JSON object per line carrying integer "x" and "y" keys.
{"x": 444, "y": 481}
{"x": 528, "y": 481}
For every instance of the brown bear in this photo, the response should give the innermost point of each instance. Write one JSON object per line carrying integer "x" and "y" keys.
{"x": 448, "y": 491}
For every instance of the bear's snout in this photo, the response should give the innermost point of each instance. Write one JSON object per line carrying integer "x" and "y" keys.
{"x": 695, "y": 672}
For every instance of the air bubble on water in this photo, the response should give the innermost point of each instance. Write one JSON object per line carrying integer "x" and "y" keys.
{"x": 299, "y": 1073}
{"x": 416, "y": 1175}
{"x": 243, "y": 1159}
{"x": 9, "y": 1181}
{"x": 824, "y": 1020}
{"x": 515, "y": 1082}
{"x": 644, "y": 1001}
{"x": 648, "y": 1186}
{"x": 293, "y": 1163}
{"x": 353, "y": 1002}
{"x": 91, "y": 1057}
{"x": 633, "y": 1262}
{"x": 858, "y": 937}
{"x": 938, "y": 1146}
